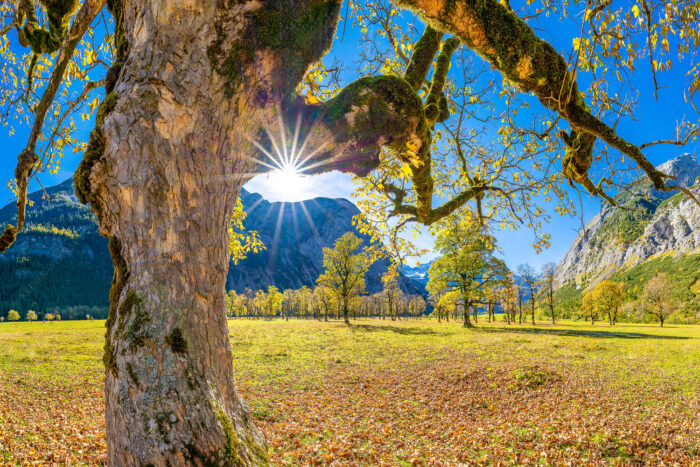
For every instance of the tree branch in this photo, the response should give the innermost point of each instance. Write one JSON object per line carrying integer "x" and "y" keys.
{"x": 497, "y": 34}
{"x": 28, "y": 158}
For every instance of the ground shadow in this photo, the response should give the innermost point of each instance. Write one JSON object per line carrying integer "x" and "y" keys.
{"x": 411, "y": 331}
{"x": 578, "y": 333}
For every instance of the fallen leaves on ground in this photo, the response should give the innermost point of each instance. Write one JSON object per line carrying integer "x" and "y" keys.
{"x": 418, "y": 394}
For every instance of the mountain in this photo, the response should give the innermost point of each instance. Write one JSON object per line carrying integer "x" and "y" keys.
{"x": 418, "y": 274}
{"x": 61, "y": 262}
{"x": 294, "y": 235}
{"x": 657, "y": 224}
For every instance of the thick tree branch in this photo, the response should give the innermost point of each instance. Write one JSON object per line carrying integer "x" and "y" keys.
{"x": 347, "y": 132}
{"x": 423, "y": 53}
{"x": 497, "y": 34}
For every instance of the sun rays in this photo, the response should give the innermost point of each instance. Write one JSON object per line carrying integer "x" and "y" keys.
{"x": 288, "y": 161}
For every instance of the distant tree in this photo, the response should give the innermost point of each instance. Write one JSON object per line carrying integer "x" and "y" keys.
{"x": 288, "y": 303}
{"x": 466, "y": 263}
{"x": 416, "y": 306}
{"x": 527, "y": 272}
{"x": 31, "y": 316}
{"x": 12, "y": 315}
{"x": 658, "y": 295}
{"x": 325, "y": 299}
{"x": 2, "y": 318}
{"x": 345, "y": 270}
{"x": 259, "y": 301}
{"x": 235, "y": 304}
{"x": 391, "y": 290}
{"x": 589, "y": 306}
{"x": 520, "y": 293}
{"x": 608, "y": 297}
{"x": 508, "y": 298}
{"x": 451, "y": 304}
{"x": 439, "y": 307}
{"x": 273, "y": 301}
{"x": 48, "y": 317}
{"x": 547, "y": 288}
{"x": 57, "y": 317}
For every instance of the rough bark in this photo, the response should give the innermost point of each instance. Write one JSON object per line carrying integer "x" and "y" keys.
{"x": 195, "y": 95}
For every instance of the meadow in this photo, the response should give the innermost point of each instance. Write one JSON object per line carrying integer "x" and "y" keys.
{"x": 392, "y": 393}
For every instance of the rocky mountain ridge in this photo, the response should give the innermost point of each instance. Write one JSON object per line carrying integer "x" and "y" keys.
{"x": 659, "y": 223}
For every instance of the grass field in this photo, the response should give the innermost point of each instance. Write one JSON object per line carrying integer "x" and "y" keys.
{"x": 385, "y": 393}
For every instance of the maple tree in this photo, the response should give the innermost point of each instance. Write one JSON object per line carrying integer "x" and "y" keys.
{"x": 607, "y": 297}
{"x": 391, "y": 291}
{"x": 345, "y": 269}
{"x": 190, "y": 99}
{"x": 547, "y": 288}
{"x": 466, "y": 265}
{"x": 658, "y": 296}
{"x": 529, "y": 276}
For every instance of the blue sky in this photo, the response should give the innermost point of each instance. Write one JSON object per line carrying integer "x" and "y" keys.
{"x": 657, "y": 121}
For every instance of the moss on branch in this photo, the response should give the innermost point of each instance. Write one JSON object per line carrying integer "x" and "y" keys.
{"x": 41, "y": 40}
{"x": 300, "y": 32}
{"x": 422, "y": 58}
{"x": 435, "y": 103}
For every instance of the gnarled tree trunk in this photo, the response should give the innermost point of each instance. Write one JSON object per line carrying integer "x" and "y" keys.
{"x": 198, "y": 89}
{"x": 163, "y": 188}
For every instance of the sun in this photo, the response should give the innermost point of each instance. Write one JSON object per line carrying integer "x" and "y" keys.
{"x": 287, "y": 160}
{"x": 289, "y": 183}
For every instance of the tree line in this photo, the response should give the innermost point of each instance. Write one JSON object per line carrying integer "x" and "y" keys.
{"x": 468, "y": 277}
{"x": 339, "y": 292}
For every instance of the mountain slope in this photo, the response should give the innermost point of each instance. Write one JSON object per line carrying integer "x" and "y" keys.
{"x": 418, "y": 275}
{"x": 60, "y": 261}
{"x": 295, "y": 235}
{"x": 660, "y": 223}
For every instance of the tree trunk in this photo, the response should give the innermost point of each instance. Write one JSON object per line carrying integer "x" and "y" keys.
{"x": 467, "y": 322}
{"x": 346, "y": 314}
{"x": 163, "y": 179}
{"x": 193, "y": 83}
